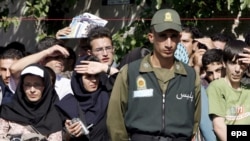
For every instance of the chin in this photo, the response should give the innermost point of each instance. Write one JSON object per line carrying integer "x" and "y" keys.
{"x": 33, "y": 100}
{"x": 107, "y": 62}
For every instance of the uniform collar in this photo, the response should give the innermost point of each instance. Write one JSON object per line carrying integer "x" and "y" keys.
{"x": 146, "y": 66}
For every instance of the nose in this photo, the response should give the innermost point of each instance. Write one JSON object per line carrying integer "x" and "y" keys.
{"x": 237, "y": 68}
{"x": 105, "y": 52}
{"x": 8, "y": 73}
{"x": 216, "y": 75}
{"x": 93, "y": 78}
{"x": 32, "y": 88}
{"x": 168, "y": 42}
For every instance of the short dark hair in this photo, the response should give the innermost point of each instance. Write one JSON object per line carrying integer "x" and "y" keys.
{"x": 17, "y": 45}
{"x": 47, "y": 42}
{"x": 211, "y": 56}
{"x": 194, "y": 31}
{"x": 11, "y": 53}
{"x": 98, "y": 32}
{"x": 220, "y": 37}
{"x": 232, "y": 49}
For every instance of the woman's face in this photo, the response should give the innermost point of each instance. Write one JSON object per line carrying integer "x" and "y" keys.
{"x": 90, "y": 82}
{"x": 33, "y": 87}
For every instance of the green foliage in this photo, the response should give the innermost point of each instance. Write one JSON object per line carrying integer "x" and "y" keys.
{"x": 5, "y": 22}
{"x": 36, "y": 8}
{"x": 245, "y": 4}
{"x": 130, "y": 36}
{"x": 190, "y": 9}
{"x": 40, "y": 11}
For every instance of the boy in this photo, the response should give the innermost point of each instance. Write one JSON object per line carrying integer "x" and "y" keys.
{"x": 228, "y": 98}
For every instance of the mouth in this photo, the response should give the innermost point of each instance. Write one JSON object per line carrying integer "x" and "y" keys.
{"x": 32, "y": 96}
{"x": 6, "y": 81}
{"x": 167, "y": 51}
{"x": 105, "y": 59}
{"x": 236, "y": 76}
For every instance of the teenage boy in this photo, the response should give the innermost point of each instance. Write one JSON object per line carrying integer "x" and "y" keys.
{"x": 212, "y": 63}
{"x": 228, "y": 98}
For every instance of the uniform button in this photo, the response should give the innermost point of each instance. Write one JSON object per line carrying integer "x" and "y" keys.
{"x": 145, "y": 65}
{"x": 177, "y": 66}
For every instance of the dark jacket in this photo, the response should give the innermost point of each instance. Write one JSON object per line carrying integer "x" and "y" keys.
{"x": 172, "y": 113}
{"x": 7, "y": 94}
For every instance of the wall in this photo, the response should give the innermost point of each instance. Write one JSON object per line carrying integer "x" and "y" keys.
{"x": 26, "y": 31}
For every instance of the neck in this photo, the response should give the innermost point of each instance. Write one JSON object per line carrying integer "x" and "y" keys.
{"x": 233, "y": 85}
{"x": 166, "y": 63}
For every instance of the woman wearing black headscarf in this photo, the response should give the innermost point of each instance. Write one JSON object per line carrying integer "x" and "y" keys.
{"x": 32, "y": 107}
{"x": 89, "y": 104}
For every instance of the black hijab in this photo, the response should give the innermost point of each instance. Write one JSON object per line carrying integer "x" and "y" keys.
{"x": 93, "y": 104}
{"x": 41, "y": 114}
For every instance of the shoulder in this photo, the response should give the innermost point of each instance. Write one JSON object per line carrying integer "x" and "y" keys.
{"x": 217, "y": 83}
{"x": 135, "y": 54}
{"x": 184, "y": 69}
{"x": 60, "y": 80}
{"x": 216, "y": 86}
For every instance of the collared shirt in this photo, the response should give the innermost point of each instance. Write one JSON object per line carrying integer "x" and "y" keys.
{"x": 163, "y": 75}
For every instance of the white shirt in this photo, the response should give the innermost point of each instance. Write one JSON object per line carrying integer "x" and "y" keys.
{"x": 62, "y": 86}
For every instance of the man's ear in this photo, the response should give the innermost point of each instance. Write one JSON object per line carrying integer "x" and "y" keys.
{"x": 151, "y": 37}
{"x": 89, "y": 52}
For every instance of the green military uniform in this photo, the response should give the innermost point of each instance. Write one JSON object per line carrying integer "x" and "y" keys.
{"x": 119, "y": 120}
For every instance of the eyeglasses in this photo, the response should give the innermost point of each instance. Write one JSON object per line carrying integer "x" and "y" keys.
{"x": 100, "y": 50}
{"x": 35, "y": 85}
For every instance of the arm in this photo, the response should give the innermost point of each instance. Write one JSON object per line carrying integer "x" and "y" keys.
{"x": 63, "y": 32}
{"x": 197, "y": 114}
{"x": 4, "y": 128}
{"x": 117, "y": 108}
{"x": 18, "y": 66}
{"x": 92, "y": 67}
{"x": 245, "y": 58}
{"x": 206, "y": 125}
{"x": 220, "y": 127}
{"x": 206, "y": 41}
{"x": 57, "y": 136}
{"x": 195, "y": 60}
{"x": 217, "y": 107}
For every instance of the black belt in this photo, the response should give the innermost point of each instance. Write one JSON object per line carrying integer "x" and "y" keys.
{"x": 143, "y": 137}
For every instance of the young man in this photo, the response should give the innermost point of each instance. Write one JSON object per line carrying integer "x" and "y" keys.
{"x": 157, "y": 97}
{"x": 99, "y": 44}
{"x": 8, "y": 57}
{"x": 49, "y": 54}
{"x": 212, "y": 63}
{"x": 219, "y": 40}
{"x": 188, "y": 36}
{"x": 228, "y": 98}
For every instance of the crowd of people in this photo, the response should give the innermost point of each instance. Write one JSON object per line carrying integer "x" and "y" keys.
{"x": 188, "y": 87}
